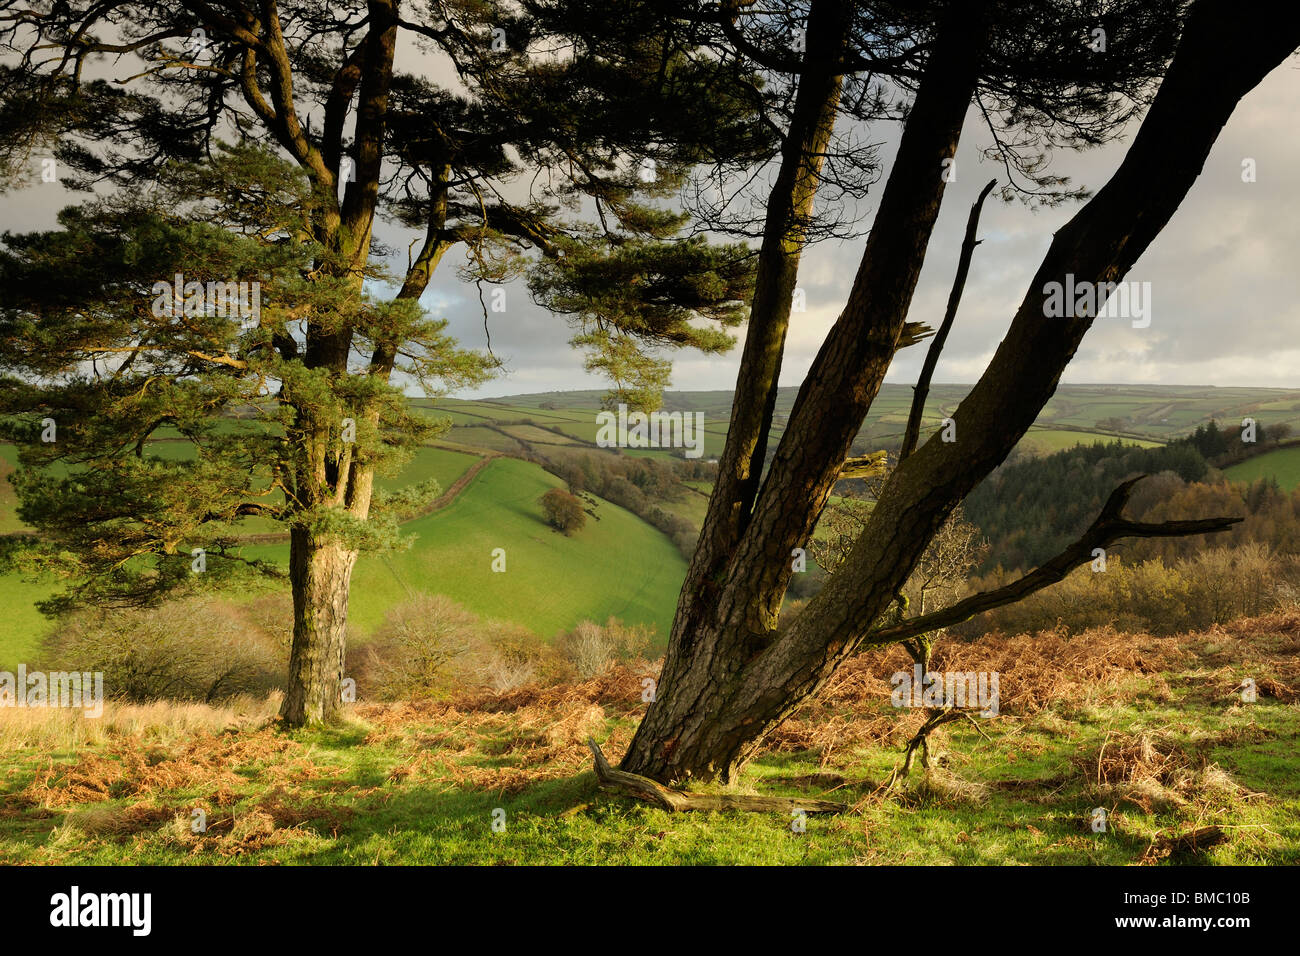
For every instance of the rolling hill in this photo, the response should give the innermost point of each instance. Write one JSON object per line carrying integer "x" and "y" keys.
{"x": 620, "y": 565}
{"x": 616, "y": 566}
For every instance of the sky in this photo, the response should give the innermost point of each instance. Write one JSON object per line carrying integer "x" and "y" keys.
{"x": 1225, "y": 280}
{"x": 1224, "y": 277}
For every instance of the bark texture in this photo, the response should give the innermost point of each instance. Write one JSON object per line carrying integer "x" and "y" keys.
{"x": 320, "y": 573}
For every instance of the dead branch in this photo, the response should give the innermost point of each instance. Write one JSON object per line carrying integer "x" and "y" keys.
{"x": 677, "y": 801}
{"x": 922, "y": 388}
{"x": 1109, "y": 526}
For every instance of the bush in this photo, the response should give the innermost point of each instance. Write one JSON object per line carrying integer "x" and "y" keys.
{"x": 1215, "y": 586}
{"x": 563, "y": 511}
{"x": 517, "y": 657}
{"x": 421, "y": 647}
{"x": 431, "y": 647}
{"x": 197, "y": 649}
{"x": 593, "y": 649}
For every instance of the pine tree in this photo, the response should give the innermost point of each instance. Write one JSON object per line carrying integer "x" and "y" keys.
{"x": 544, "y": 132}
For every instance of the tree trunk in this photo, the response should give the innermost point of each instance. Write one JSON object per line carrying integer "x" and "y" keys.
{"x": 730, "y": 674}
{"x": 785, "y": 229}
{"x": 697, "y": 726}
{"x": 320, "y": 572}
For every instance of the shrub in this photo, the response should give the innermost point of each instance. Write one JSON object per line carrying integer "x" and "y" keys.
{"x": 422, "y": 646}
{"x": 1213, "y": 587}
{"x": 431, "y": 647}
{"x": 196, "y": 649}
{"x": 516, "y": 657}
{"x": 593, "y": 649}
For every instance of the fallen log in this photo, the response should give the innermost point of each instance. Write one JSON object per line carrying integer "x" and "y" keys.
{"x": 677, "y": 801}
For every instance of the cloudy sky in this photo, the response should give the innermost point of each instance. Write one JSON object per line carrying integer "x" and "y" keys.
{"x": 1224, "y": 279}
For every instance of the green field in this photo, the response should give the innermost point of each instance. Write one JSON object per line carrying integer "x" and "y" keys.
{"x": 1045, "y": 441}
{"x": 551, "y": 581}
{"x": 1155, "y": 413}
{"x": 690, "y": 507}
{"x": 441, "y": 464}
{"x": 23, "y": 624}
{"x": 618, "y": 566}
{"x": 1282, "y": 464}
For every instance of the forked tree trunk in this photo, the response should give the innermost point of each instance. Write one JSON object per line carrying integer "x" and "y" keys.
{"x": 731, "y": 675}
{"x": 320, "y": 572}
{"x": 697, "y": 726}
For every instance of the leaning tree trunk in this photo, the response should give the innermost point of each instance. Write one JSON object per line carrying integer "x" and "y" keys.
{"x": 320, "y": 573}
{"x": 731, "y": 675}
{"x": 785, "y": 232}
{"x": 697, "y": 726}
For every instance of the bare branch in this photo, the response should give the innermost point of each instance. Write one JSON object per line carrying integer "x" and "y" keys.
{"x": 1109, "y": 526}
{"x": 922, "y": 388}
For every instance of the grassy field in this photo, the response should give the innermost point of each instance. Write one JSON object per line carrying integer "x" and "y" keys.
{"x": 1149, "y": 729}
{"x": 1282, "y": 464}
{"x": 1154, "y": 413}
{"x": 1045, "y": 441}
{"x": 551, "y": 581}
{"x": 548, "y": 576}
{"x": 23, "y": 625}
{"x": 691, "y": 507}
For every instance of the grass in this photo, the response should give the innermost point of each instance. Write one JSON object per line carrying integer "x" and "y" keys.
{"x": 690, "y": 507}
{"x": 1046, "y": 441}
{"x": 536, "y": 435}
{"x": 442, "y": 464}
{"x": 1147, "y": 728}
{"x": 551, "y": 581}
{"x": 23, "y": 625}
{"x": 1161, "y": 412}
{"x": 1282, "y": 464}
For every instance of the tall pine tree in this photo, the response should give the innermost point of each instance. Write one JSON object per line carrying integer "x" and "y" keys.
{"x": 523, "y": 133}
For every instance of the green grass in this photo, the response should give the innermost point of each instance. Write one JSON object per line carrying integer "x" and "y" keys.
{"x": 1153, "y": 414}
{"x": 617, "y": 566}
{"x": 441, "y": 464}
{"x": 23, "y": 625}
{"x": 1045, "y": 441}
{"x": 690, "y": 507}
{"x": 1282, "y": 464}
{"x": 535, "y": 435}
{"x": 479, "y": 436}
{"x": 423, "y": 788}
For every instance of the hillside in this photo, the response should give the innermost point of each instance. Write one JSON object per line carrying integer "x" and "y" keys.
{"x": 1147, "y": 413}
{"x": 1282, "y": 464}
{"x": 551, "y": 583}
